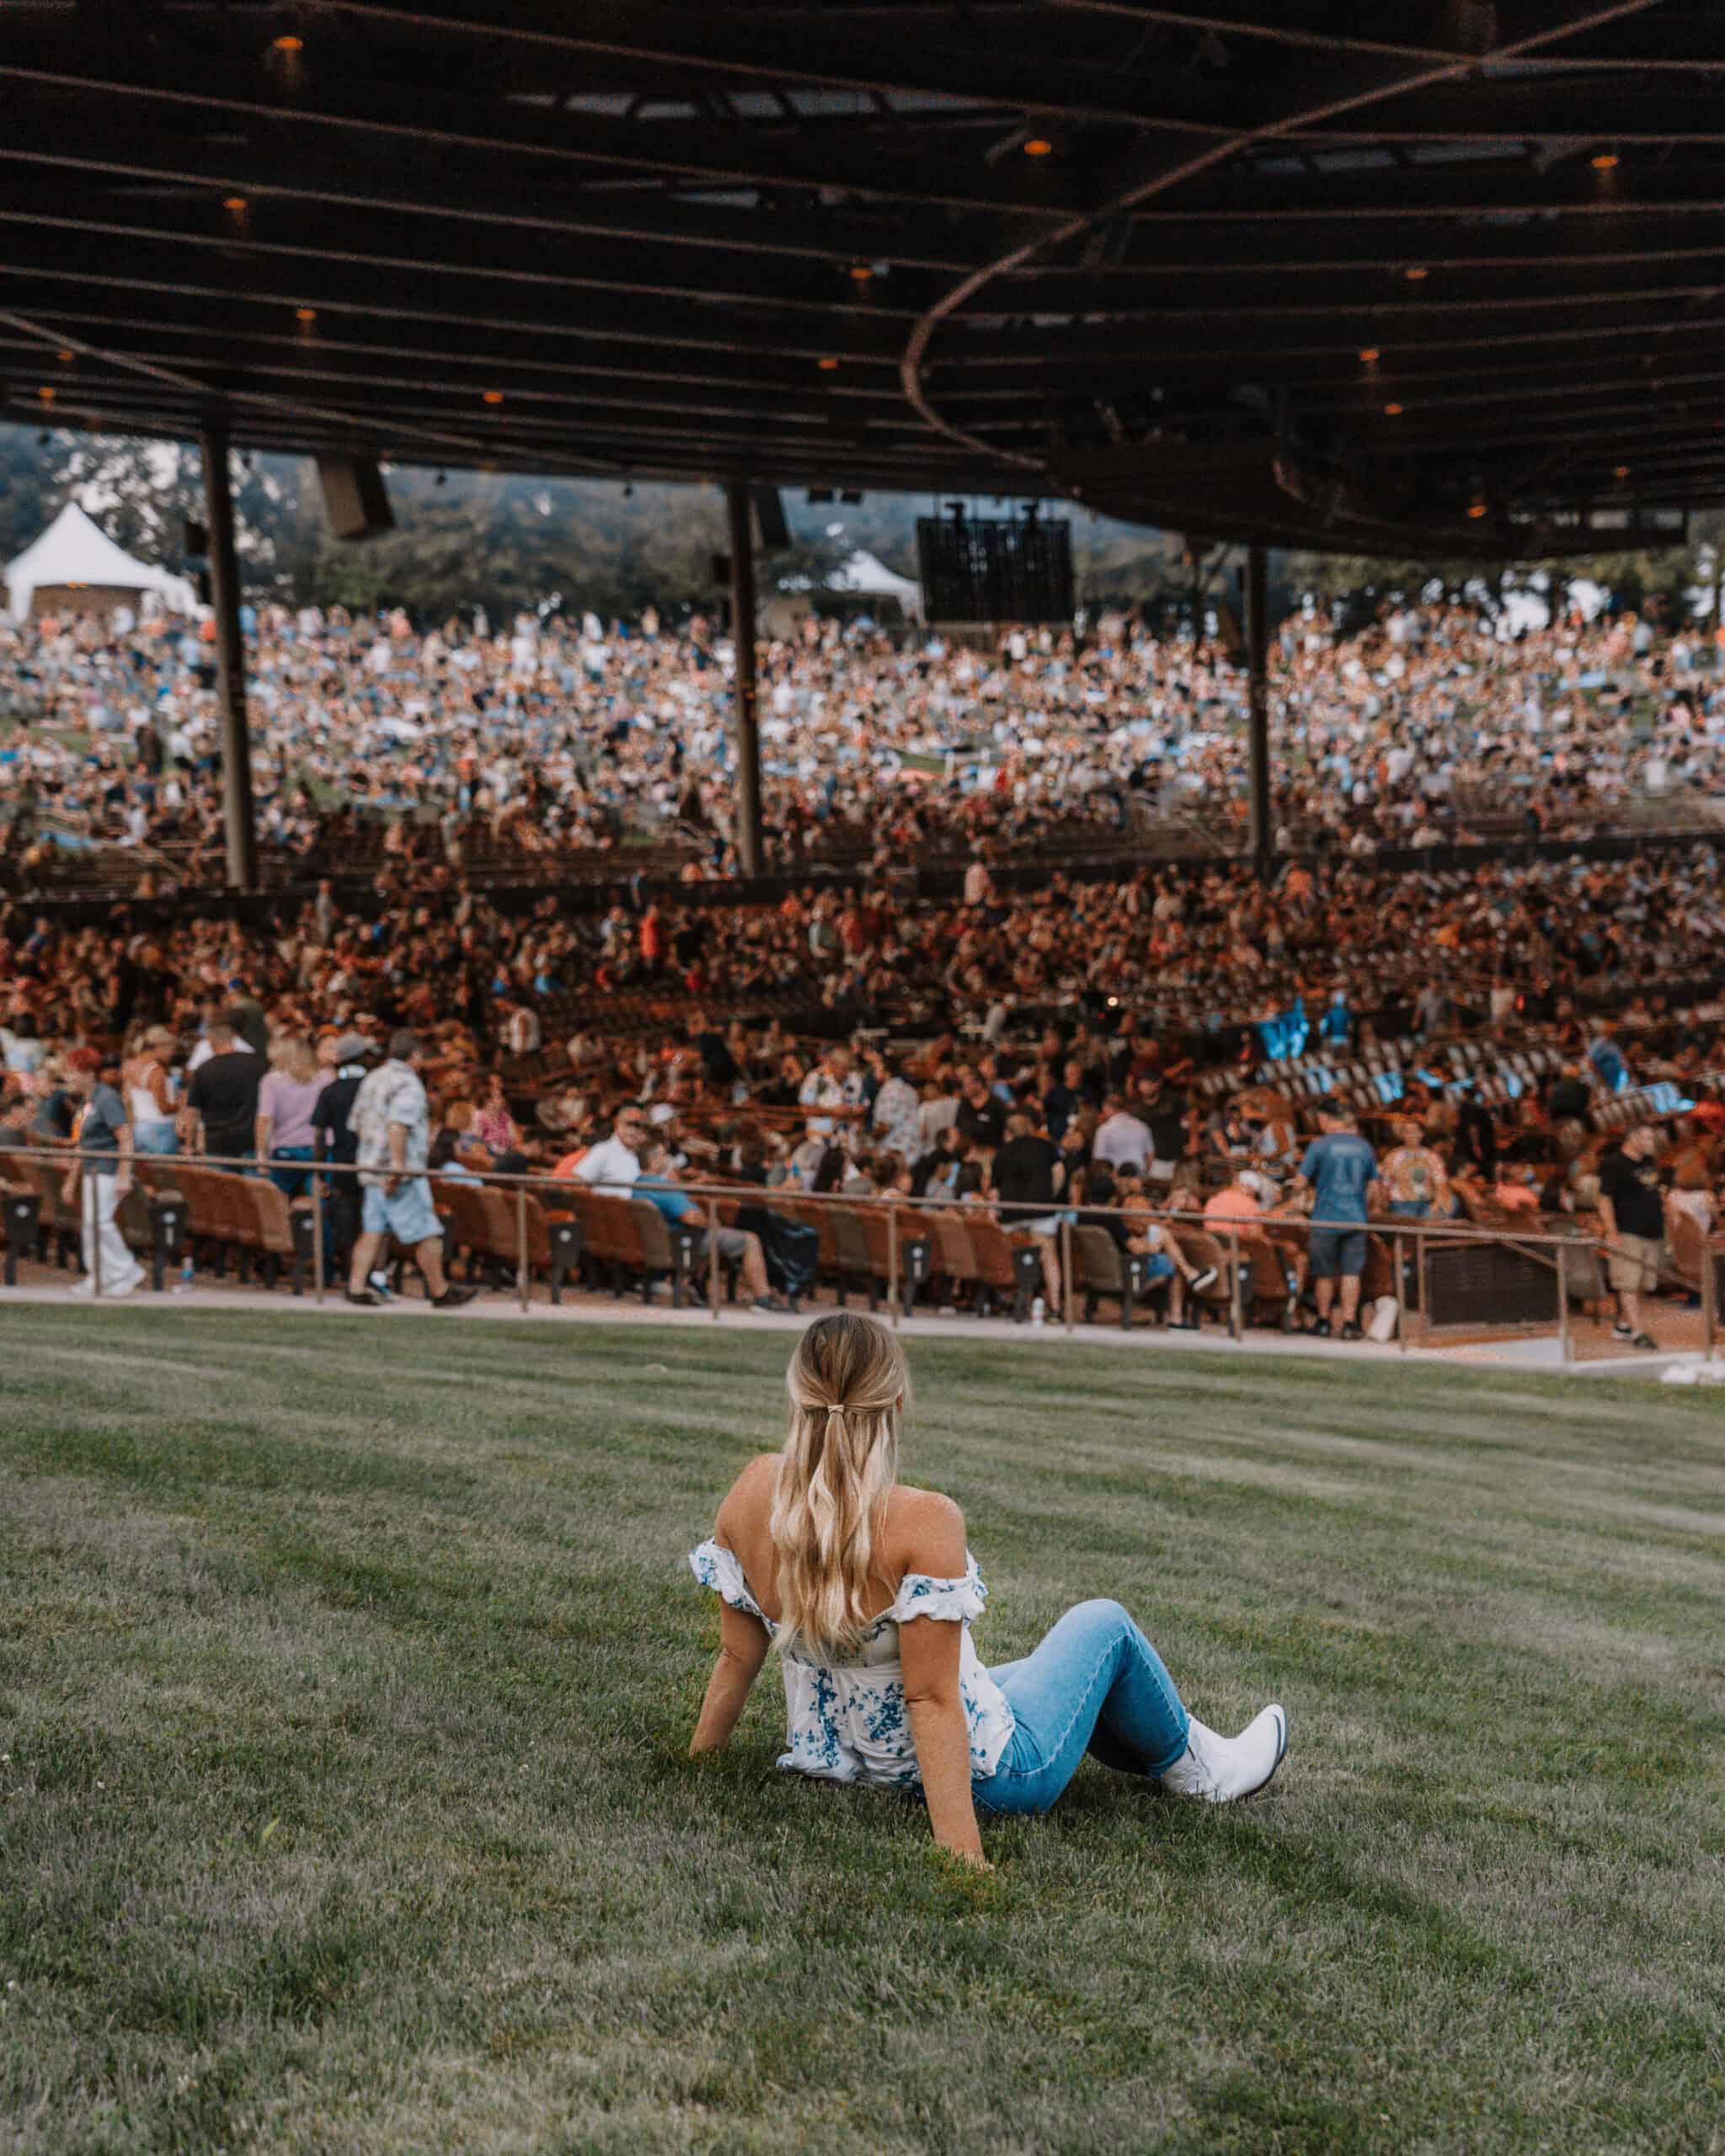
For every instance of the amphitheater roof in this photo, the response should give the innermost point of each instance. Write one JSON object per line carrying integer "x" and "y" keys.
{"x": 1446, "y": 276}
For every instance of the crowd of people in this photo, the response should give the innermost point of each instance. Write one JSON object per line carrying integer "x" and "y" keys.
{"x": 1209, "y": 949}
{"x": 549, "y": 741}
{"x": 1024, "y": 1057}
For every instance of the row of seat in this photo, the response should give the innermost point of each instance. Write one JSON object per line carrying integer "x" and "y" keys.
{"x": 175, "y": 1208}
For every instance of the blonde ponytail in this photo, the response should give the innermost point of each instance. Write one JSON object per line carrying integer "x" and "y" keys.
{"x": 848, "y": 1387}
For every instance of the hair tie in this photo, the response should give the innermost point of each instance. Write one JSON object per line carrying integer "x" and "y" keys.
{"x": 835, "y": 1413}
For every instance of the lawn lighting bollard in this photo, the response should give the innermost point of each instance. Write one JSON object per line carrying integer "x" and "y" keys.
{"x": 685, "y": 1258}
{"x": 24, "y": 1231}
{"x": 1564, "y": 1349}
{"x": 167, "y": 1238}
{"x": 916, "y": 1251}
{"x": 1027, "y": 1274}
{"x": 303, "y": 1220}
{"x": 565, "y": 1254}
{"x": 1137, "y": 1285}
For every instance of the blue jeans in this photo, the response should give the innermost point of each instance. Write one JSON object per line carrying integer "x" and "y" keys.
{"x": 1095, "y": 1685}
{"x": 291, "y": 1183}
{"x": 160, "y": 1138}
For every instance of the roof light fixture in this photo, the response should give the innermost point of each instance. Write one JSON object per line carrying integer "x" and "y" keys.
{"x": 1475, "y": 507}
{"x": 306, "y": 314}
{"x": 493, "y": 396}
{"x": 827, "y": 366}
{"x": 1392, "y": 411}
{"x": 1416, "y": 274}
{"x": 1620, "y": 471}
{"x": 289, "y": 44}
{"x": 1369, "y": 354}
{"x": 1606, "y": 161}
{"x": 1038, "y": 145}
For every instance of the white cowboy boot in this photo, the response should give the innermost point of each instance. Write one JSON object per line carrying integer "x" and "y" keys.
{"x": 1220, "y": 1768}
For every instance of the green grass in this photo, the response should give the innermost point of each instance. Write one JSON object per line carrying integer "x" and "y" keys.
{"x": 347, "y": 1670}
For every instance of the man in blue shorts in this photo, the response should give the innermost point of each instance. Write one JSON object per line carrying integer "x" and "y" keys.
{"x": 1340, "y": 1170}
{"x": 392, "y": 1121}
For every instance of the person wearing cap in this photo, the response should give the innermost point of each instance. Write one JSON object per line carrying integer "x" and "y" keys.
{"x": 101, "y": 1174}
{"x": 614, "y": 1165}
{"x": 656, "y": 1184}
{"x": 391, "y": 1119}
{"x": 1340, "y": 1171}
{"x": 344, "y": 1059}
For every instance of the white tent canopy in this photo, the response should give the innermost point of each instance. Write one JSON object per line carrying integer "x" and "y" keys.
{"x": 866, "y": 573}
{"x": 74, "y": 551}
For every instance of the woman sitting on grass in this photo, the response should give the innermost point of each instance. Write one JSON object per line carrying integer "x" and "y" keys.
{"x": 867, "y": 1589}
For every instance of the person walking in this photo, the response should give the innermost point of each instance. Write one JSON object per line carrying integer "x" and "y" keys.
{"x": 99, "y": 1177}
{"x": 287, "y": 1099}
{"x": 393, "y": 1122}
{"x": 343, "y": 1059}
{"x": 219, "y": 1117}
{"x": 866, "y": 1586}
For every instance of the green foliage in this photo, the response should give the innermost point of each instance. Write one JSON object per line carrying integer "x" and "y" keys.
{"x": 507, "y": 542}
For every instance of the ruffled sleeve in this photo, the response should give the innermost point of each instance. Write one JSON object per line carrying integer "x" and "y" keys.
{"x": 955, "y": 1602}
{"x": 717, "y": 1567}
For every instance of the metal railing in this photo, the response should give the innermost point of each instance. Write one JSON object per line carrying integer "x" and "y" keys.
{"x": 1411, "y": 1243}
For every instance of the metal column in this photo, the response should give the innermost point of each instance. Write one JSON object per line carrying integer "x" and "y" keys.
{"x": 1257, "y": 639}
{"x": 742, "y": 539}
{"x": 231, "y": 667}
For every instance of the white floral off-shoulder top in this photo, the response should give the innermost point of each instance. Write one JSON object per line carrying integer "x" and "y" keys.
{"x": 846, "y": 1721}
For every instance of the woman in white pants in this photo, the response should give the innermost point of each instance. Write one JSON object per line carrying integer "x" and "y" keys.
{"x": 102, "y": 1166}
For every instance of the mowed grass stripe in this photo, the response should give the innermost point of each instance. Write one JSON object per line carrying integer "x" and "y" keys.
{"x": 345, "y": 1679}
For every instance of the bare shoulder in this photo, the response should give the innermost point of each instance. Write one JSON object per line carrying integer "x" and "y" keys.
{"x": 750, "y": 1495}
{"x": 926, "y": 1531}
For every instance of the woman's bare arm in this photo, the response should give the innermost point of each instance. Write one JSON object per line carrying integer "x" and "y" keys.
{"x": 744, "y": 1641}
{"x": 929, "y": 1649}
{"x": 742, "y": 1644}
{"x": 928, "y": 1653}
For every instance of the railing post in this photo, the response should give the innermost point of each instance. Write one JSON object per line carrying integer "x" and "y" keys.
{"x": 317, "y": 1233}
{"x": 1236, "y": 1324}
{"x": 1710, "y": 1297}
{"x": 1400, "y": 1243}
{"x": 1423, "y": 1270}
{"x": 89, "y": 1195}
{"x": 1566, "y": 1347}
{"x": 892, "y": 1261}
{"x": 1066, "y": 1268}
{"x": 521, "y": 1284}
{"x": 713, "y": 1256}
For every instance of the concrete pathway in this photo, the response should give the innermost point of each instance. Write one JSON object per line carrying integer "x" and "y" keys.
{"x": 1540, "y": 1353}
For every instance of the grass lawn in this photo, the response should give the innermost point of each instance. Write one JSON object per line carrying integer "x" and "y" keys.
{"x": 346, "y": 1675}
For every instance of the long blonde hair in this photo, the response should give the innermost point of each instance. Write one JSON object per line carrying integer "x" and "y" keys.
{"x": 290, "y": 1054}
{"x": 849, "y": 1386}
